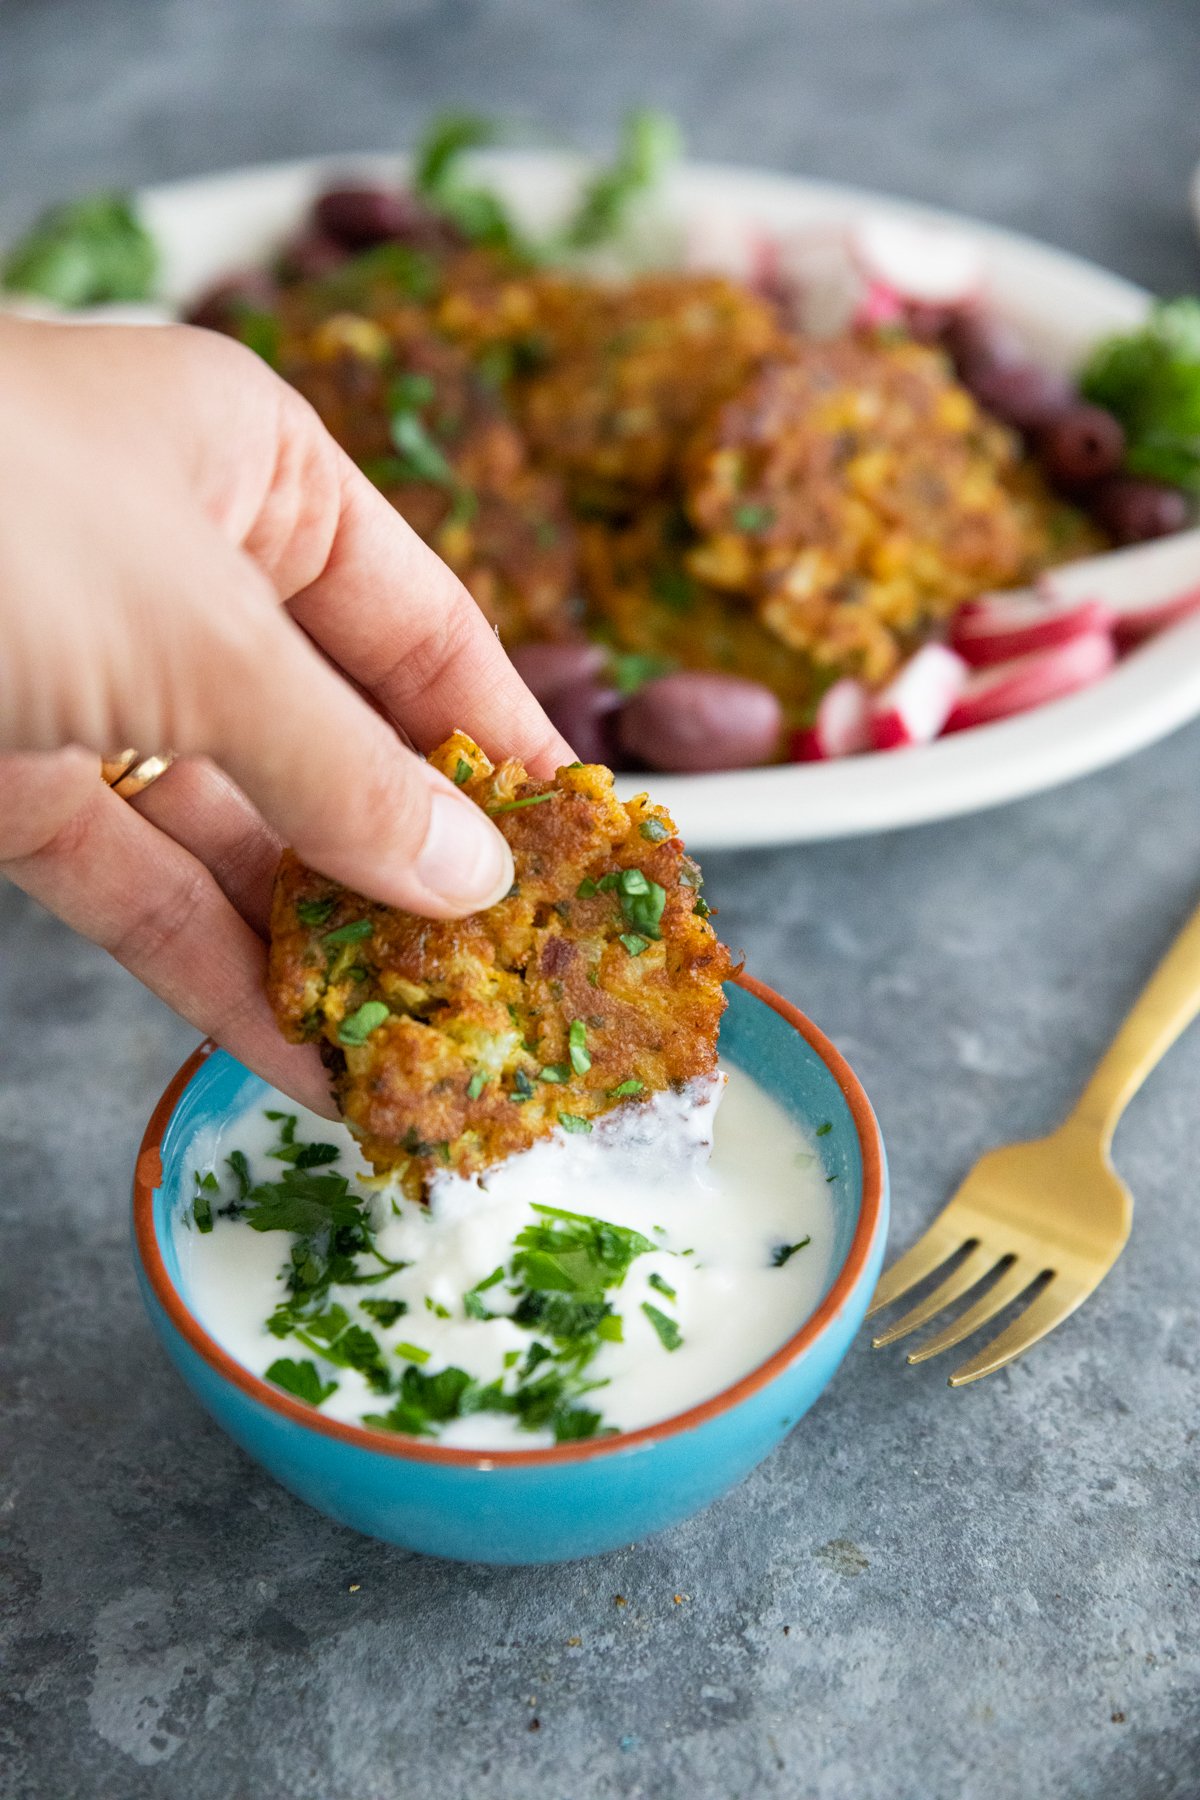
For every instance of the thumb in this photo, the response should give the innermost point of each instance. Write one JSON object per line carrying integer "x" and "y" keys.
{"x": 323, "y": 767}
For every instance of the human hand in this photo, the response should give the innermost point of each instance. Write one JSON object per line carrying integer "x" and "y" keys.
{"x": 189, "y": 562}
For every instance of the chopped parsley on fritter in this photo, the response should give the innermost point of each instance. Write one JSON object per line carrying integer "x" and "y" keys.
{"x": 453, "y": 1043}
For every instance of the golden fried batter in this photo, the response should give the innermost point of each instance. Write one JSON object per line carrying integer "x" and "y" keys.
{"x": 454, "y": 1043}
{"x": 434, "y": 436}
{"x": 625, "y": 373}
{"x": 853, "y": 492}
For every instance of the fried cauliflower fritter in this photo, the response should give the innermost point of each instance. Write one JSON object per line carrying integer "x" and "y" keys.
{"x": 435, "y": 437}
{"x": 624, "y": 374}
{"x": 454, "y": 1043}
{"x": 854, "y": 493}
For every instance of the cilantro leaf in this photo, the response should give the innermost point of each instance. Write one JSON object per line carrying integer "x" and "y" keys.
{"x": 300, "y": 1379}
{"x": 384, "y": 1312}
{"x": 83, "y": 253}
{"x": 314, "y": 912}
{"x": 1149, "y": 380}
{"x": 668, "y": 1331}
{"x": 784, "y": 1252}
{"x": 358, "y": 1026}
{"x": 649, "y": 143}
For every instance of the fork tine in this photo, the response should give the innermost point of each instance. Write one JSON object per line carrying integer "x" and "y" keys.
{"x": 967, "y": 1275}
{"x": 1057, "y": 1300}
{"x": 929, "y": 1252}
{"x": 1012, "y": 1281}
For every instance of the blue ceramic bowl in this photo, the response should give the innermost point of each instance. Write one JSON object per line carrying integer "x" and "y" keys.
{"x": 542, "y": 1505}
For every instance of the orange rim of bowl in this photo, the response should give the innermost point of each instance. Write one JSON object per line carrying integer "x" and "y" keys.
{"x": 148, "y": 1175}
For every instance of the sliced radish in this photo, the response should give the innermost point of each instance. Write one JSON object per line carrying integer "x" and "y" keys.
{"x": 1028, "y": 681}
{"x": 915, "y": 705}
{"x": 1145, "y": 587}
{"x": 919, "y": 263}
{"x": 997, "y": 627}
{"x": 842, "y": 726}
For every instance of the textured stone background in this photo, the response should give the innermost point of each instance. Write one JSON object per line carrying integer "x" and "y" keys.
{"x": 922, "y": 1596}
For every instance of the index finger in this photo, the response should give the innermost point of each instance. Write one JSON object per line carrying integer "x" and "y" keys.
{"x": 390, "y": 613}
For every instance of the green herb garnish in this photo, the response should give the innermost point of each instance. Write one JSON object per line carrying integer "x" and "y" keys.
{"x": 783, "y": 1252}
{"x": 634, "y": 942}
{"x": 581, "y": 1062}
{"x": 438, "y": 177}
{"x": 420, "y": 457}
{"x": 668, "y": 1331}
{"x": 384, "y": 1312}
{"x": 462, "y": 771}
{"x": 649, "y": 143}
{"x": 413, "y": 1353}
{"x": 1150, "y": 380}
{"x": 573, "y": 1123}
{"x": 300, "y": 1379}
{"x": 529, "y": 800}
{"x": 84, "y": 253}
{"x": 477, "y": 1083}
{"x": 356, "y": 932}
{"x": 314, "y": 912}
{"x": 656, "y": 1281}
{"x": 357, "y": 1028}
{"x": 654, "y": 830}
{"x": 824, "y": 1130}
{"x": 626, "y": 1089}
{"x": 753, "y": 518}
{"x": 555, "y": 1072}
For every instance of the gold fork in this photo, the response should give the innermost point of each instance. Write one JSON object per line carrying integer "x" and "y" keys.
{"x": 1052, "y": 1215}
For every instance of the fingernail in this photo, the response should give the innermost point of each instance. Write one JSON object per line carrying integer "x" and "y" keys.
{"x": 464, "y": 860}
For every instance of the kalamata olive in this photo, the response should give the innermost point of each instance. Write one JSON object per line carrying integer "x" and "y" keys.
{"x": 361, "y": 216}
{"x": 584, "y": 712}
{"x": 1133, "y": 508}
{"x": 696, "y": 720}
{"x": 1022, "y": 394}
{"x": 978, "y": 341}
{"x": 311, "y": 255}
{"x": 217, "y": 307}
{"x": 548, "y": 668}
{"x": 1083, "y": 444}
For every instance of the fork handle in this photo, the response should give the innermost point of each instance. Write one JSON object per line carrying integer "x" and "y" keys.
{"x": 1167, "y": 1004}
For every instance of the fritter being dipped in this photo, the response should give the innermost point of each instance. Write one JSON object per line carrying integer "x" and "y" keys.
{"x": 452, "y": 1044}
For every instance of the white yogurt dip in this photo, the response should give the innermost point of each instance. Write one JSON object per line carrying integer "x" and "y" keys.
{"x": 715, "y": 1261}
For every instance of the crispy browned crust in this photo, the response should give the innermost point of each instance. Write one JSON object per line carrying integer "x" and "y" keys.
{"x": 500, "y": 523}
{"x": 487, "y": 1002}
{"x": 853, "y": 493}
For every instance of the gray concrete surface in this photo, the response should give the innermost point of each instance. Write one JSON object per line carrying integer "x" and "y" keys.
{"x": 992, "y": 1595}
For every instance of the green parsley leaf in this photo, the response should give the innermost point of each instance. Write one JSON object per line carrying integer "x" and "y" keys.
{"x": 629, "y": 670}
{"x": 356, "y": 932}
{"x": 574, "y": 1422}
{"x": 417, "y": 451}
{"x": 825, "y": 1129}
{"x": 529, "y": 800}
{"x": 357, "y": 1028}
{"x": 84, "y": 253}
{"x": 784, "y": 1252}
{"x": 1150, "y": 380}
{"x": 438, "y": 177}
{"x": 239, "y": 1168}
{"x": 634, "y": 942}
{"x": 555, "y": 1072}
{"x": 586, "y": 889}
{"x": 701, "y": 909}
{"x": 649, "y": 143}
{"x": 477, "y": 1083}
{"x": 753, "y": 518}
{"x": 574, "y": 1253}
{"x": 202, "y": 1208}
{"x": 654, "y": 830}
{"x": 300, "y": 1379}
{"x": 581, "y": 1062}
{"x": 573, "y": 1123}
{"x": 462, "y": 771}
{"x": 626, "y": 1089}
{"x": 408, "y": 391}
{"x": 668, "y": 1331}
{"x": 413, "y": 1353}
{"x": 522, "y": 1088}
{"x": 385, "y": 1312}
{"x": 656, "y": 1281}
{"x": 314, "y": 912}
